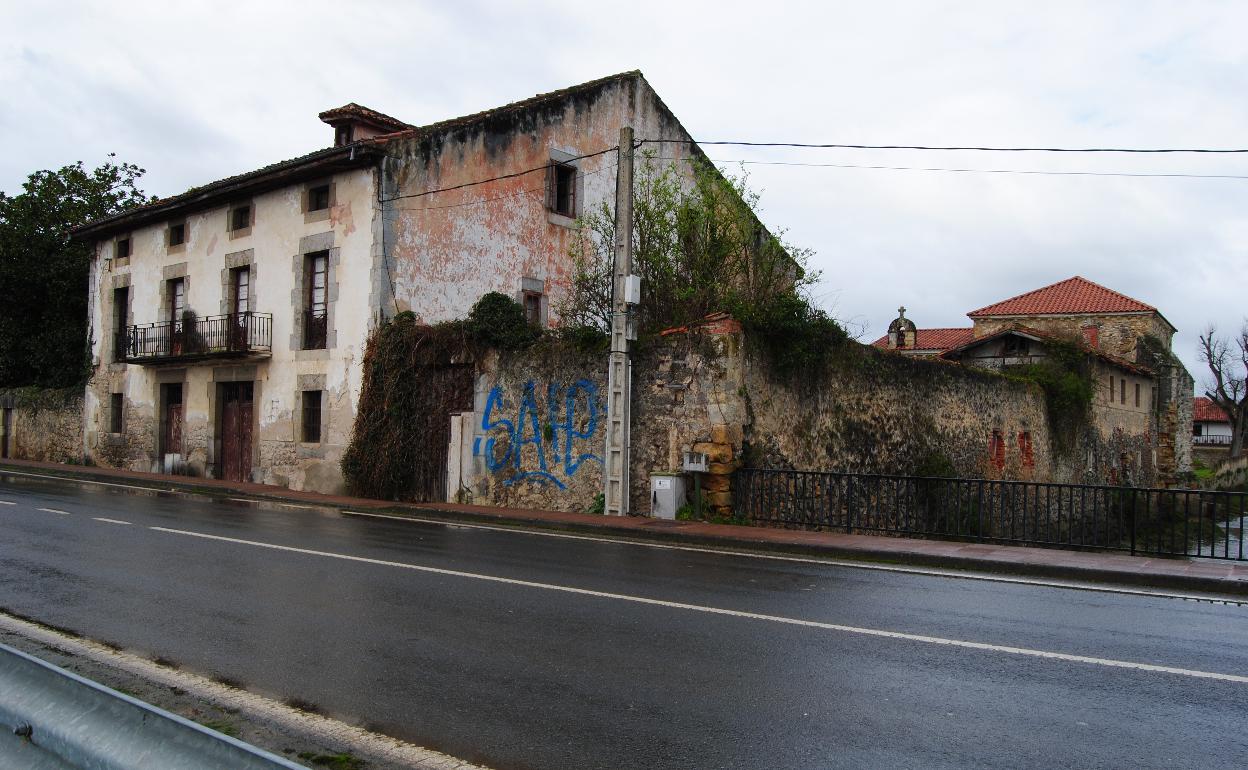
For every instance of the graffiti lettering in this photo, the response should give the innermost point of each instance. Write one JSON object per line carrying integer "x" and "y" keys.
{"x": 557, "y": 446}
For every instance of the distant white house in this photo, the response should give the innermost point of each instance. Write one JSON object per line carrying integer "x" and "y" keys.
{"x": 1210, "y": 425}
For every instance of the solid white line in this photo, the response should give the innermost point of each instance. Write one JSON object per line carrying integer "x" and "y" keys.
{"x": 828, "y": 562}
{"x": 109, "y": 521}
{"x": 73, "y": 480}
{"x": 55, "y": 510}
{"x": 733, "y": 613}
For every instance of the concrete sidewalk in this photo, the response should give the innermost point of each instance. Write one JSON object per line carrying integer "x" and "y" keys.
{"x": 1199, "y": 575}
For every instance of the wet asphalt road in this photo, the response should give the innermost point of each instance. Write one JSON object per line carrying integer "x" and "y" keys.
{"x": 526, "y": 676}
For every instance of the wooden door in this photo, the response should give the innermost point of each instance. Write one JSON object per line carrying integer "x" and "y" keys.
{"x": 173, "y": 419}
{"x": 237, "y": 410}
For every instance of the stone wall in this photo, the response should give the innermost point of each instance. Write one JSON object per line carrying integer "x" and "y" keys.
{"x": 1117, "y": 334}
{"x": 534, "y": 438}
{"x": 43, "y": 425}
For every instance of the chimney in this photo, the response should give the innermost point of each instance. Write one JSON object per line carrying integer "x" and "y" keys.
{"x": 353, "y": 123}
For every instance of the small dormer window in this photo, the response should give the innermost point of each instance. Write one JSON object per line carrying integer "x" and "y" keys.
{"x": 240, "y": 217}
{"x": 318, "y": 198}
{"x": 342, "y": 135}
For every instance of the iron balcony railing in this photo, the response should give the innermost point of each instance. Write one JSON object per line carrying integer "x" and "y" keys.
{"x": 1214, "y": 440}
{"x": 1177, "y": 522}
{"x": 315, "y": 329}
{"x": 221, "y": 336}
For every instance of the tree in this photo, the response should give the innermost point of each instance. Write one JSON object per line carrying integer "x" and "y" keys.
{"x": 1228, "y": 365}
{"x": 43, "y": 272}
{"x": 698, "y": 246}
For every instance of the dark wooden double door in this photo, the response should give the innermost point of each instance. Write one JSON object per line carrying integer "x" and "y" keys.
{"x": 235, "y": 429}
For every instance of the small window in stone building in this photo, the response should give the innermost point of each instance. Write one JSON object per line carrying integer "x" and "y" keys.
{"x": 533, "y": 307}
{"x": 561, "y": 192}
{"x": 315, "y": 300}
{"x": 1111, "y": 388}
{"x": 116, "y": 413}
{"x": 177, "y": 234}
{"x": 312, "y": 416}
{"x": 1122, "y": 390}
{"x": 318, "y": 198}
{"x": 123, "y": 248}
{"x": 240, "y": 217}
{"x": 1137, "y": 395}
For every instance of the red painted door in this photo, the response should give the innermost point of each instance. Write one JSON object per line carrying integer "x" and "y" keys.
{"x": 236, "y": 429}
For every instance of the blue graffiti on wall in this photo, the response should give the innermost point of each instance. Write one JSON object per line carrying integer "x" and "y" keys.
{"x": 555, "y": 445}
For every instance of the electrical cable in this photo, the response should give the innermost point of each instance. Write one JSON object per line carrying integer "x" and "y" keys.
{"x": 969, "y": 170}
{"x": 498, "y": 178}
{"x": 941, "y": 148}
{"x": 517, "y": 193}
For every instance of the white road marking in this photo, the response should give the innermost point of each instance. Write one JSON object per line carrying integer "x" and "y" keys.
{"x": 825, "y": 562}
{"x": 932, "y": 572}
{"x": 874, "y": 632}
{"x": 382, "y": 749}
{"x": 71, "y": 479}
{"x": 109, "y": 521}
{"x": 55, "y": 510}
{"x": 7, "y": 502}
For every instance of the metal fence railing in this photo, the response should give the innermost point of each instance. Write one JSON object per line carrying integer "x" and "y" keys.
{"x": 231, "y": 334}
{"x": 1179, "y": 522}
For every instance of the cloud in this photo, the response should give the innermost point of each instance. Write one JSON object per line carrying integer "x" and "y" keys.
{"x": 204, "y": 90}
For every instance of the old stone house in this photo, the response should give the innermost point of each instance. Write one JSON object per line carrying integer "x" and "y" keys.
{"x": 228, "y": 323}
{"x": 1141, "y": 411}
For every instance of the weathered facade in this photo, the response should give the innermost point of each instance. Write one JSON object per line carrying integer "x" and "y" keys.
{"x": 44, "y": 425}
{"x": 228, "y": 323}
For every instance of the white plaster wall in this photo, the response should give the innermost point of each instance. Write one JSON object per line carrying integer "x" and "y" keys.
{"x": 279, "y": 225}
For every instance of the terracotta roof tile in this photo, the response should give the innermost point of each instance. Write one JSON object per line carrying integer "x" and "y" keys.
{"x": 1204, "y": 410}
{"x": 1071, "y": 296}
{"x": 354, "y": 110}
{"x": 934, "y": 339}
{"x": 1038, "y": 334}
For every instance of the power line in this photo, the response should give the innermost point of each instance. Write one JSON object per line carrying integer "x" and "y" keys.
{"x": 930, "y": 147}
{"x": 498, "y": 178}
{"x": 970, "y": 170}
{"x": 517, "y": 193}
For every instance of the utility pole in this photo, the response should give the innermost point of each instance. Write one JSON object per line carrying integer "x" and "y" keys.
{"x": 619, "y": 369}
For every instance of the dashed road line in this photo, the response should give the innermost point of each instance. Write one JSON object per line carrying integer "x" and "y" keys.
{"x": 55, "y": 510}
{"x": 872, "y": 632}
{"x": 7, "y": 502}
{"x": 828, "y": 562}
{"x": 109, "y": 521}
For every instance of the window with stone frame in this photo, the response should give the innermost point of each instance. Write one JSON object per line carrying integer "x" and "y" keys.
{"x": 316, "y": 300}
{"x": 116, "y": 412}
{"x": 318, "y": 197}
{"x": 561, "y": 189}
{"x": 311, "y": 422}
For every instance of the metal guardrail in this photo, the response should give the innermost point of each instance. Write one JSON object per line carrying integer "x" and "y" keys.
{"x": 51, "y": 719}
{"x": 1169, "y": 522}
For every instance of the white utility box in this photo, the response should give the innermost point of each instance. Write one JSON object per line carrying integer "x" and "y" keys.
{"x": 632, "y": 290}
{"x": 694, "y": 461}
{"x": 667, "y": 495}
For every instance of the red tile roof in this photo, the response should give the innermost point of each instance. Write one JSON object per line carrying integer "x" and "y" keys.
{"x": 1204, "y": 410}
{"x": 934, "y": 339}
{"x": 1071, "y": 296}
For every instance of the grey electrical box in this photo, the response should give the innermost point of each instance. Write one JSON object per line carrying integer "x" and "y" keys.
{"x": 632, "y": 290}
{"x": 667, "y": 495}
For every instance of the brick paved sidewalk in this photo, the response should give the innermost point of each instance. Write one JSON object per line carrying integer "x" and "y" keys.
{"x": 1199, "y": 575}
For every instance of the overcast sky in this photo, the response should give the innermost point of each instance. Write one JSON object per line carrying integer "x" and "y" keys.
{"x": 208, "y": 89}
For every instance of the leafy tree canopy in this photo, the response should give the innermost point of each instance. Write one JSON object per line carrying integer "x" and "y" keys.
{"x": 43, "y": 273}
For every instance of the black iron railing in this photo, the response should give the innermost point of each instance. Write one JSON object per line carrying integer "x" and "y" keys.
{"x": 229, "y": 335}
{"x": 1179, "y": 522}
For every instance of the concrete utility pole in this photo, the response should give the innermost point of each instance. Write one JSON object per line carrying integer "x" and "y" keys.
{"x": 619, "y": 369}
